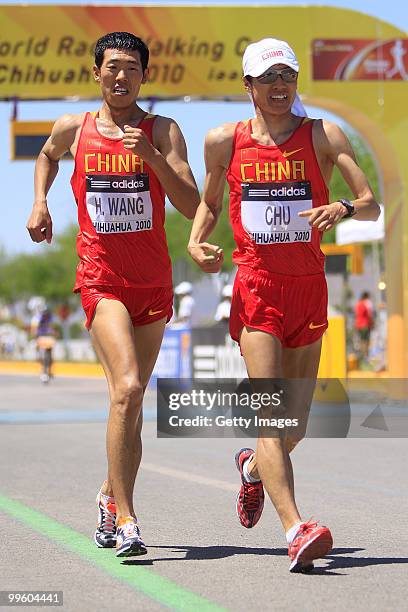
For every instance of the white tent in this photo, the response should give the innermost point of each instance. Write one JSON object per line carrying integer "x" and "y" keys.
{"x": 351, "y": 230}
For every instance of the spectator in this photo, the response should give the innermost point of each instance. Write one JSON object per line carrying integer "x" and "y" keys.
{"x": 183, "y": 292}
{"x": 45, "y": 340}
{"x": 223, "y": 309}
{"x": 364, "y": 323}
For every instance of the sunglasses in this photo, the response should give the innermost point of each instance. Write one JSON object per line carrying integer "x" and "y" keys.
{"x": 287, "y": 74}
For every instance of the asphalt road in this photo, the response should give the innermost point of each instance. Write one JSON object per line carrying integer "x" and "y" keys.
{"x": 52, "y": 457}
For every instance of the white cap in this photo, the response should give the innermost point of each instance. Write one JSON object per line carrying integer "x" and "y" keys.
{"x": 261, "y": 55}
{"x": 183, "y": 288}
{"x": 36, "y": 303}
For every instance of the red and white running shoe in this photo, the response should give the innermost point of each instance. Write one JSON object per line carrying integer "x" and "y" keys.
{"x": 311, "y": 542}
{"x": 250, "y": 499}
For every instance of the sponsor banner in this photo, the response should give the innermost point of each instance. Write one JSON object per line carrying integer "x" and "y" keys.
{"x": 344, "y": 59}
{"x": 47, "y": 51}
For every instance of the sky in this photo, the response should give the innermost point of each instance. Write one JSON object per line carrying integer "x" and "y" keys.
{"x": 194, "y": 118}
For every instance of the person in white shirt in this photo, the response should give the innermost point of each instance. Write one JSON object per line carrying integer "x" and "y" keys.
{"x": 223, "y": 309}
{"x": 186, "y": 303}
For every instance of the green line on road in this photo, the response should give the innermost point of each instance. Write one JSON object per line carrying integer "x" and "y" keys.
{"x": 146, "y": 581}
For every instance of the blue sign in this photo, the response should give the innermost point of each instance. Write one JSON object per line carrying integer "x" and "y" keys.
{"x": 174, "y": 360}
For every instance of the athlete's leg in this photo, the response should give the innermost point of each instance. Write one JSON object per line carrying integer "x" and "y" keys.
{"x": 265, "y": 358}
{"x": 100, "y": 351}
{"x": 262, "y": 353}
{"x": 147, "y": 340}
{"x": 113, "y": 337}
{"x": 311, "y": 541}
{"x": 364, "y": 340}
{"x": 301, "y": 363}
{"x": 51, "y": 362}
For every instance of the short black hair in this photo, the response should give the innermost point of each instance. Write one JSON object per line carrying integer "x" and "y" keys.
{"x": 121, "y": 40}
{"x": 365, "y": 295}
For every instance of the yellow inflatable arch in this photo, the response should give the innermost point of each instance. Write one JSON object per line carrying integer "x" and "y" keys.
{"x": 352, "y": 64}
{"x": 378, "y": 110}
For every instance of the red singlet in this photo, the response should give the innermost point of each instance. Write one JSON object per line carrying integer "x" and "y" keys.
{"x": 269, "y": 185}
{"x": 364, "y": 314}
{"x": 121, "y": 239}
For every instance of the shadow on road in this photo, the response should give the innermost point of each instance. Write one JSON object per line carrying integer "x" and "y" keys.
{"x": 205, "y": 553}
{"x": 338, "y": 559}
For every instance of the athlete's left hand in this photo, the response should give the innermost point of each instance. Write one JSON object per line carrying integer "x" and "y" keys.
{"x": 136, "y": 139}
{"x": 325, "y": 217}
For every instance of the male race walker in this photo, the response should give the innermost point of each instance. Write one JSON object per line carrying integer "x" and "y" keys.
{"x": 126, "y": 160}
{"x": 278, "y": 167}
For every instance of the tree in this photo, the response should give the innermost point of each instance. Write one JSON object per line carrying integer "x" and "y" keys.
{"x": 50, "y": 273}
{"x": 339, "y": 187}
{"x": 178, "y": 230}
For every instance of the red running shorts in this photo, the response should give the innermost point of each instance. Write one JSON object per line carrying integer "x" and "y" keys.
{"x": 144, "y": 304}
{"x": 292, "y": 308}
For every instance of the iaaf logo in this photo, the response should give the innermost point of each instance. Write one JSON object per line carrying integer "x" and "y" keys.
{"x": 126, "y": 184}
{"x": 272, "y": 54}
{"x": 288, "y": 191}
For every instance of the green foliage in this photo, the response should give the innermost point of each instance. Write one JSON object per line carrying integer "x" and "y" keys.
{"x": 339, "y": 187}
{"x": 50, "y": 272}
{"x": 178, "y": 230}
{"x": 77, "y": 330}
{"x": 222, "y": 235}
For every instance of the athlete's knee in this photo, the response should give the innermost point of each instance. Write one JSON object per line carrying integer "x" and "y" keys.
{"x": 127, "y": 396}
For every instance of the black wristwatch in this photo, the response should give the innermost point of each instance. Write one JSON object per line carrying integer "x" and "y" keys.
{"x": 349, "y": 206}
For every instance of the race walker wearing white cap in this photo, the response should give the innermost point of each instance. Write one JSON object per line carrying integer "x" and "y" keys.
{"x": 261, "y": 55}
{"x": 264, "y": 54}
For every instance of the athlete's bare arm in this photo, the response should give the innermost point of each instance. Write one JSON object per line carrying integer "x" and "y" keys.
{"x": 217, "y": 154}
{"x": 333, "y": 148}
{"x": 63, "y": 138}
{"x": 168, "y": 159}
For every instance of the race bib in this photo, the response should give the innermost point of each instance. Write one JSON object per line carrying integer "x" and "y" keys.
{"x": 269, "y": 211}
{"x": 119, "y": 204}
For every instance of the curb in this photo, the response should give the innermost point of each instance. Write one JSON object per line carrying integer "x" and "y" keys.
{"x": 77, "y": 370}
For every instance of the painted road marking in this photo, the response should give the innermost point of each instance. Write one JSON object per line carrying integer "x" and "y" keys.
{"x": 62, "y": 416}
{"x": 308, "y": 475}
{"x": 145, "y": 581}
{"x": 196, "y": 478}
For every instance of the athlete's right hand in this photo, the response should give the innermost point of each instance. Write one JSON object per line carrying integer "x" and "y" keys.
{"x": 208, "y": 256}
{"x": 39, "y": 224}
